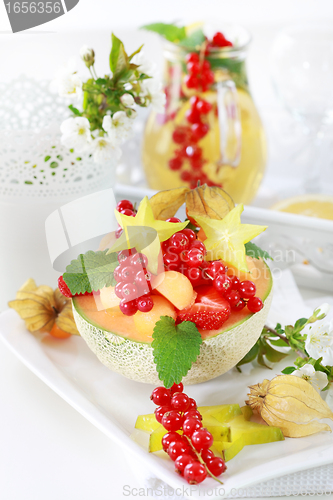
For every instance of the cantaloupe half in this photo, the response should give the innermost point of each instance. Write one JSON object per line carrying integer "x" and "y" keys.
{"x": 115, "y": 340}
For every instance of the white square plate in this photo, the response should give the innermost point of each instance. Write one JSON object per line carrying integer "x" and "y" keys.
{"x": 112, "y": 403}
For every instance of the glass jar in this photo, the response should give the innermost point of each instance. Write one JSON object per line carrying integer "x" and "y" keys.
{"x": 223, "y": 144}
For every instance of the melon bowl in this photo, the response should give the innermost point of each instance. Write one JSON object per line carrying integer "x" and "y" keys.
{"x": 112, "y": 336}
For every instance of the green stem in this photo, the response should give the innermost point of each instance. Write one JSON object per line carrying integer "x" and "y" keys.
{"x": 201, "y": 460}
{"x": 284, "y": 338}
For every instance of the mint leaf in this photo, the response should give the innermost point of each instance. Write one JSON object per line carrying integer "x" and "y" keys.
{"x": 118, "y": 56}
{"x": 194, "y": 41}
{"x": 256, "y": 252}
{"x": 175, "y": 348}
{"x": 170, "y": 32}
{"x": 91, "y": 272}
{"x": 288, "y": 370}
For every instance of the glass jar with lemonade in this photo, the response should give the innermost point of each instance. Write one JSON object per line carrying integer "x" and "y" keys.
{"x": 211, "y": 131}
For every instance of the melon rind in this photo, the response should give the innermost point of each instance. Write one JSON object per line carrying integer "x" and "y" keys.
{"x": 135, "y": 361}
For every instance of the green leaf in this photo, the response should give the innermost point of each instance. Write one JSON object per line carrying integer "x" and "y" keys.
{"x": 300, "y": 324}
{"x": 101, "y": 81}
{"x": 170, "y": 32}
{"x": 272, "y": 355}
{"x": 278, "y": 343}
{"x": 135, "y": 52}
{"x": 175, "y": 348}
{"x": 74, "y": 110}
{"x": 118, "y": 56}
{"x": 250, "y": 356}
{"x": 91, "y": 272}
{"x": 194, "y": 41}
{"x": 256, "y": 252}
{"x": 288, "y": 370}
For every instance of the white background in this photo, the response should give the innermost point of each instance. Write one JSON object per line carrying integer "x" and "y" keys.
{"x": 49, "y": 451}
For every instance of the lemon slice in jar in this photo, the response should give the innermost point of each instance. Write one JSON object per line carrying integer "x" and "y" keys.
{"x": 311, "y": 205}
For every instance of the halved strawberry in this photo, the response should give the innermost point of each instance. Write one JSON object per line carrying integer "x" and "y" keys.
{"x": 209, "y": 311}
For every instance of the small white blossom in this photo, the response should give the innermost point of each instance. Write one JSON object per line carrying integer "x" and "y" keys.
{"x": 105, "y": 151}
{"x": 319, "y": 341}
{"x": 118, "y": 127}
{"x": 127, "y": 100}
{"x": 145, "y": 65}
{"x": 317, "y": 379}
{"x": 152, "y": 88}
{"x": 67, "y": 82}
{"x": 76, "y": 133}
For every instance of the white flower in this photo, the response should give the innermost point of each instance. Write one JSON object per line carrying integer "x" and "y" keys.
{"x": 319, "y": 341}
{"x": 68, "y": 83}
{"x": 127, "y": 100}
{"x": 76, "y": 133}
{"x": 118, "y": 127}
{"x": 145, "y": 65}
{"x": 317, "y": 379}
{"x": 105, "y": 151}
{"x": 153, "y": 89}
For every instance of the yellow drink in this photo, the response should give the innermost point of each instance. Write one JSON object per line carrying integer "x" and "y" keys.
{"x": 233, "y": 149}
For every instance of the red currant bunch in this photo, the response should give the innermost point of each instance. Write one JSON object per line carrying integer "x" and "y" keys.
{"x": 124, "y": 207}
{"x": 200, "y": 75}
{"x": 187, "y": 443}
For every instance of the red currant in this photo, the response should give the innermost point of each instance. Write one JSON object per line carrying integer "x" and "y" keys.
{"x": 240, "y": 305}
{"x": 160, "y": 411}
{"x": 145, "y": 303}
{"x": 198, "y": 244}
{"x": 194, "y": 274}
{"x": 216, "y": 268}
{"x": 175, "y": 163}
{"x": 118, "y": 232}
{"x": 195, "y": 473}
{"x": 192, "y": 115}
{"x": 175, "y": 220}
{"x": 172, "y": 420}
{"x": 179, "y": 242}
{"x": 204, "y": 107}
{"x": 202, "y": 439}
{"x": 180, "y": 401}
{"x": 170, "y": 437}
{"x": 128, "y": 212}
{"x": 171, "y": 261}
{"x": 235, "y": 282}
{"x": 195, "y": 257}
{"x": 255, "y": 304}
{"x": 193, "y": 413}
{"x": 190, "y": 234}
{"x": 193, "y": 68}
{"x": 181, "y": 462}
{"x": 190, "y": 425}
{"x": 232, "y": 297}
{"x": 193, "y": 152}
{"x": 247, "y": 289}
{"x": 139, "y": 261}
{"x": 198, "y": 131}
{"x": 216, "y": 466}
{"x": 118, "y": 290}
{"x": 192, "y": 57}
{"x": 179, "y": 136}
{"x": 123, "y": 256}
{"x": 160, "y": 396}
{"x": 127, "y": 274}
{"x": 142, "y": 278}
{"x": 123, "y": 204}
{"x": 177, "y": 388}
{"x": 192, "y": 404}
{"x": 117, "y": 273}
{"x": 129, "y": 308}
{"x": 207, "y": 455}
{"x": 222, "y": 283}
{"x": 129, "y": 292}
{"x": 177, "y": 448}
{"x": 186, "y": 176}
{"x": 191, "y": 82}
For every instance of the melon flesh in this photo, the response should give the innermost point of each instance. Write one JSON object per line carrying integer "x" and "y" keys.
{"x": 122, "y": 348}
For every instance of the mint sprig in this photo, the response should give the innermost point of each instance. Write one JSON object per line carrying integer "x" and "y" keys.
{"x": 175, "y": 348}
{"x": 91, "y": 272}
{"x": 252, "y": 250}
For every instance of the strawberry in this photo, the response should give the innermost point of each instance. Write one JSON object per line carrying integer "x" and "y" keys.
{"x": 64, "y": 288}
{"x": 209, "y": 311}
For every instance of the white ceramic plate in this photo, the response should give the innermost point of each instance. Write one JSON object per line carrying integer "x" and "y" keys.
{"x": 112, "y": 403}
